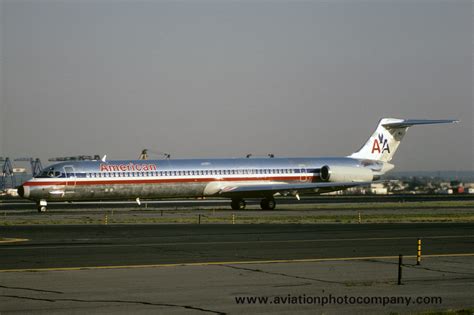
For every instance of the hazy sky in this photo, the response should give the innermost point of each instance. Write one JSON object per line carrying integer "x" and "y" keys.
{"x": 227, "y": 78}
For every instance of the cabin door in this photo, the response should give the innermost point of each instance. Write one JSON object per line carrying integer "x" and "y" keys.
{"x": 70, "y": 178}
{"x": 303, "y": 174}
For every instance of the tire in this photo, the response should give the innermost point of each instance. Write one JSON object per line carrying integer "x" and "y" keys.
{"x": 268, "y": 204}
{"x": 41, "y": 209}
{"x": 238, "y": 204}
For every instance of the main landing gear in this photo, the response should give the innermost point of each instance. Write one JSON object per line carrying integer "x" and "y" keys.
{"x": 238, "y": 204}
{"x": 265, "y": 204}
{"x": 41, "y": 206}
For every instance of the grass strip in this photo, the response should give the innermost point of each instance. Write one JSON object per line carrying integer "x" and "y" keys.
{"x": 218, "y": 219}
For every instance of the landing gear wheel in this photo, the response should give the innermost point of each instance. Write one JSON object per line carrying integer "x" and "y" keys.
{"x": 41, "y": 206}
{"x": 268, "y": 204}
{"x": 238, "y": 204}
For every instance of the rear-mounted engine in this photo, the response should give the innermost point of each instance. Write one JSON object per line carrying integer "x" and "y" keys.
{"x": 346, "y": 174}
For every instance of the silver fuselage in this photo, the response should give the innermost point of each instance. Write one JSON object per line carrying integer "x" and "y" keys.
{"x": 130, "y": 179}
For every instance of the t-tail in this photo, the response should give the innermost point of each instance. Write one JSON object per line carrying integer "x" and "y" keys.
{"x": 384, "y": 142}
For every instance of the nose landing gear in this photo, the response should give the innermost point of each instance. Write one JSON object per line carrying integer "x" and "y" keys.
{"x": 41, "y": 206}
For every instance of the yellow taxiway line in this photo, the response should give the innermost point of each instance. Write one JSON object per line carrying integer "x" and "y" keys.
{"x": 214, "y": 263}
{"x": 12, "y": 240}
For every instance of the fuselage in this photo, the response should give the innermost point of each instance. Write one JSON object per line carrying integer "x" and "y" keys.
{"x": 131, "y": 179}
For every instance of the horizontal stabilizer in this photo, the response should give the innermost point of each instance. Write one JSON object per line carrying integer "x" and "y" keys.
{"x": 412, "y": 122}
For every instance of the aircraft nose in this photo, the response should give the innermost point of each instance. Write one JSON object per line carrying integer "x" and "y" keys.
{"x": 24, "y": 191}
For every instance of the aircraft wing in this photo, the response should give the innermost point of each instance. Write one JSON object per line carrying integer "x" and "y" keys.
{"x": 257, "y": 190}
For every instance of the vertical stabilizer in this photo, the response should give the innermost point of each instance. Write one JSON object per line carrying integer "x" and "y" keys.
{"x": 384, "y": 142}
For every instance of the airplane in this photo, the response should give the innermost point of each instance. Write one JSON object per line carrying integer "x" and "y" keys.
{"x": 234, "y": 178}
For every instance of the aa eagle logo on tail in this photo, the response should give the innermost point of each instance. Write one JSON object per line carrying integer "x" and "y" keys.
{"x": 380, "y": 144}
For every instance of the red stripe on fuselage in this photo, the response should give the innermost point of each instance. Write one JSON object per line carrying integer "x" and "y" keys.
{"x": 81, "y": 182}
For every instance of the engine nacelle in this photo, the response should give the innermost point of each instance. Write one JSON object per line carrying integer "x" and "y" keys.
{"x": 346, "y": 174}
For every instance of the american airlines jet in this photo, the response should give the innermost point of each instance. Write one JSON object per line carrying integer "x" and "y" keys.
{"x": 236, "y": 179}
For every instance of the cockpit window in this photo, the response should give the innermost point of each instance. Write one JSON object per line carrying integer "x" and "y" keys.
{"x": 50, "y": 172}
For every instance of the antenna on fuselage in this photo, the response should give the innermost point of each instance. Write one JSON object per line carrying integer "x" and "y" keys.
{"x": 104, "y": 158}
{"x": 146, "y": 153}
{"x": 143, "y": 155}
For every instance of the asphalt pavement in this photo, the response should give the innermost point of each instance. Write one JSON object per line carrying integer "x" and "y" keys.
{"x": 63, "y": 246}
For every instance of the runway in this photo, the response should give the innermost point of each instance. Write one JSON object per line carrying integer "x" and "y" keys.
{"x": 56, "y": 247}
{"x": 12, "y": 204}
{"x": 199, "y": 269}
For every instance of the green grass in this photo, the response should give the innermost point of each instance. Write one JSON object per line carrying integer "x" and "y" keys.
{"x": 227, "y": 219}
{"x": 393, "y": 212}
{"x": 386, "y": 205}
